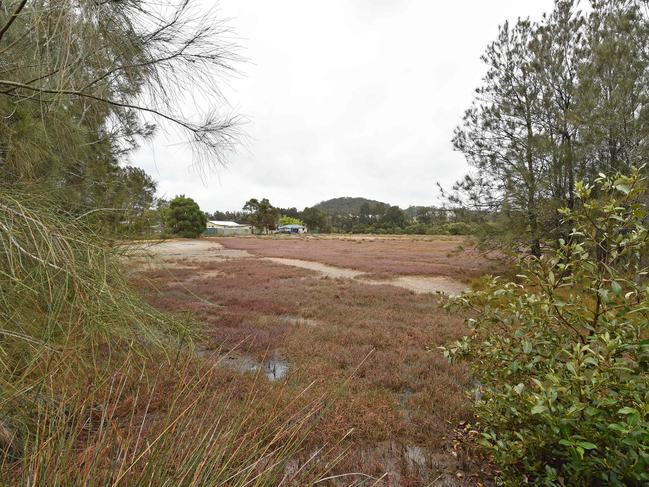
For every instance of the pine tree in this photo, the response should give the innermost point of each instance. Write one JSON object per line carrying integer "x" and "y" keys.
{"x": 563, "y": 99}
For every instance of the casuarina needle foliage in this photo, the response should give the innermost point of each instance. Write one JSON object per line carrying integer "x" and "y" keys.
{"x": 97, "y": 387}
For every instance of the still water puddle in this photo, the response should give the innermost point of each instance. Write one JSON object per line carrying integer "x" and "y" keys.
{"x": 275, "y": 368}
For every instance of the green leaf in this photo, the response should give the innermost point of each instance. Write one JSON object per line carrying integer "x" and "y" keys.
{"x": 586, "y": 445}
{"x": 623, "y": 188}
{"x": 603, "y": 294}
{"x": 539, "y": 408}
{"x": 628, "y": 410}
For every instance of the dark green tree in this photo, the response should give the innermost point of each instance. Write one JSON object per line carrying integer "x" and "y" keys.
{"x": 184, "y": 218}
{"x": 614, "y": 86}
{"x": 235, "y": 216}
{"x": 499, "y": 135}
{"x": 315, "y": 219}
{"x": 365, "y": 213}
{"x": 563, "y": 99}
{"x": 292, "y": 212}
{"x": 261, "y": 214}
{"x": 394, "y": 216}
{"x": 424, "y": 214}
{"x": 82, "y": 83}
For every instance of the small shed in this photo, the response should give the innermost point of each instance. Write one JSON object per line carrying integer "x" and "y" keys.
{"x": 216, "y": 227}
{"x": 292, "y": 228}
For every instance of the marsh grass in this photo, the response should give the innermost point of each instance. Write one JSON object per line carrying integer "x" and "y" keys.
{"x": 146, "y": 434}
{"x": 99, "y": 388}
{"x": 380, "y": 257}
{"x": 401, "y": 395}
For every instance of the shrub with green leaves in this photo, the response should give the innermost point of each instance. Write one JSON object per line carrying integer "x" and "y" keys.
{"x": 562, "y": 354}
{"x": 184, "y": 217}
{"x": 289, "y": 220}
{"x": 458, "y": 228}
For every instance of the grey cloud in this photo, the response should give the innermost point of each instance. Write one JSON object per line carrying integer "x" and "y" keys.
{"x": 343, "y": 97}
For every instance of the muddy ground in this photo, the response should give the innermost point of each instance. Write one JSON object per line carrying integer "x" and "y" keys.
{"x": 336, "y": 318}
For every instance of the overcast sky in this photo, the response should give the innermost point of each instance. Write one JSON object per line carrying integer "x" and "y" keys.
{"x": 343, "y": 98}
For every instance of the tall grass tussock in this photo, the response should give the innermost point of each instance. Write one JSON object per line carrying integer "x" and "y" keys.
{"x": 99, "y": 388}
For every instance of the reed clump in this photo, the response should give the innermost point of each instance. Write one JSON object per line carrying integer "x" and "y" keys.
{"x": 99, "y": 388}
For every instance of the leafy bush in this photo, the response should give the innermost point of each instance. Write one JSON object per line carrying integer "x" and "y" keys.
{"x": 184, "y": 218}
{"x": 563, "y": 355}
{"x": 457, "y": 228}
{"x": 289, "y": 220}
{"x": 417, "y": 229}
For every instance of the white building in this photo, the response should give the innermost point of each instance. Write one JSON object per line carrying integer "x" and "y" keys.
{"x": 216, "y": 227}
{"x": 292, "y": 228}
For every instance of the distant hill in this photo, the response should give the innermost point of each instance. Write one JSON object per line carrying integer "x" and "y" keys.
{"x": 345, "y": 205}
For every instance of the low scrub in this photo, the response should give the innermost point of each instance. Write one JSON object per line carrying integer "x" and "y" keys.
{"x": 563, "y": 354}
{"x": 445, "y": 228}
{"x": 455, "y": 257}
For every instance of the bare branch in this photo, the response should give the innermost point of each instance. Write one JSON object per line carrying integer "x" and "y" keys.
{"x": 13, "y": 17}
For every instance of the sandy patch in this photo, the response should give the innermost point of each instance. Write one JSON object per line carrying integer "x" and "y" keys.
{"x": 417, "y": 284}
{"x": 201, "y": 250}
{"x": 327, "y": 270}
{"x": 434, "y": 284}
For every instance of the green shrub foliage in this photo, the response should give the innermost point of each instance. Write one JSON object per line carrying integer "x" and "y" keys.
{"x": 289, "y": 220}
{"x": 563, "y": 353}
{"x": 184, "y": 218}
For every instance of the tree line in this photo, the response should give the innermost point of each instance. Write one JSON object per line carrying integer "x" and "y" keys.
{"x": 372, "y": 218}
